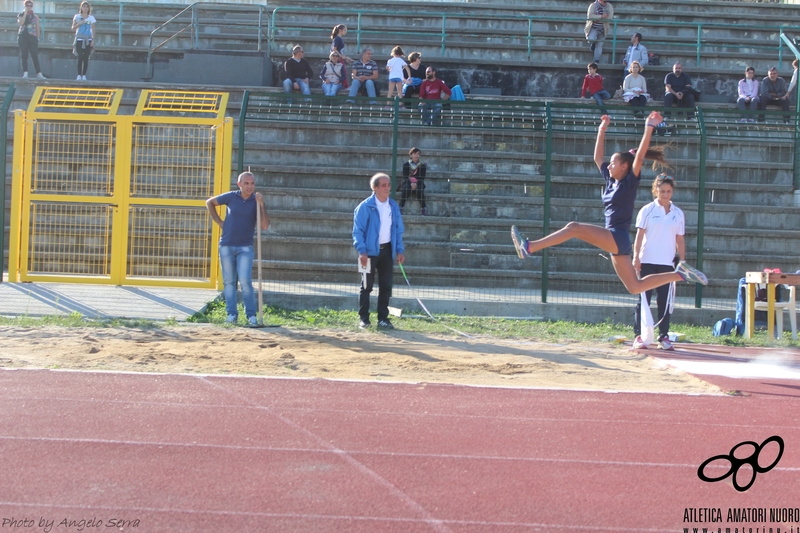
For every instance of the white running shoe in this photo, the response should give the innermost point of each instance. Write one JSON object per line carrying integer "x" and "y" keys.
{"x": 79, "y": 78}
{"x": 664, "y": 344}
{"x": 83, "y": 78}
{"x": 692, "y": 275}
{"x": 520, "y": 243}
{"x": 638, "y": 343}
{"x": 253, "y": 321}
{"x": 41, "y": 76}
{"x": 24, "y": 74}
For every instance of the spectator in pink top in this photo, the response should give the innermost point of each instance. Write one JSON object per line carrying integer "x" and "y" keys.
{"x": 593, "y": 86}
{"x": 432, "y": 92}
{"x": 748, "y": 93}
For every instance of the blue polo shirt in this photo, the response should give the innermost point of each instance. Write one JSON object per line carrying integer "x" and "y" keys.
{"x": 618, "y": 199}
{"x": 240, "y": 219}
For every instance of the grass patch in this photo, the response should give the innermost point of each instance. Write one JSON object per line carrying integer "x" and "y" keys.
{"x": 76, "y": 320}
{"x": 544, "y": 331}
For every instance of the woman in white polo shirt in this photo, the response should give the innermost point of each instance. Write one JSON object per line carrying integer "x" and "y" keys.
{"x": 659, "y": 235}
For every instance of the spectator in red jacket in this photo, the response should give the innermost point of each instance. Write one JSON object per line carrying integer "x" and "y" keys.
{"x": 432, "y": 92}
{"x": 593, "y": 86}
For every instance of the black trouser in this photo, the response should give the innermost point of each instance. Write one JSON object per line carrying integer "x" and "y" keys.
{"x": 83, "y": 49}
{"x": 384, "y": 266}
{"x": 661, "y": 300}
{"x": 638, "y": 101}
{"x": 687, "y": 101}
{"x": 29, "y": 44}
{"x": 407, "y": 192}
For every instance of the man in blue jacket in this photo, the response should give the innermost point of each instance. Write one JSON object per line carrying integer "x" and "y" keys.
{"x": 378, "y": 239}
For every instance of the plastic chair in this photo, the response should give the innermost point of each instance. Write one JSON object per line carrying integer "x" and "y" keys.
{"x": 789, "y": 305}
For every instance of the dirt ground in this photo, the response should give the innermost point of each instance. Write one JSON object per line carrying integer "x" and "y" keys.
{"x": 365, "y": 355}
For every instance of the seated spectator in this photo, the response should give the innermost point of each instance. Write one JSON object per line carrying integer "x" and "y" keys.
{"x": 679, "y": 90}
{"x": 332, "y": 74}
{"x": 417, "y": 69}
{"x": 636, "y": 52}
{"x": 593, "y": 87}
{"x": 748, "y": 93}
{"x": 431, "y": 93}
{"x": 413, "y": 185}
{"x": 634, "y": 88}
{"x": 364, "y": 74}
{"x": 774, "y": 91}
{"x": 298, "y": 72}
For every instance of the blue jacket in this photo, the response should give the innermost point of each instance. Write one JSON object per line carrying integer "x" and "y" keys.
{"x": 366, "y": 228}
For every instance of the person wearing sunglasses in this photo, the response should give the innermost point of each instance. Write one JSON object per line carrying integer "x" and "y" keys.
{"x": 30, "y": 30}
{"x": 332, "y": 74}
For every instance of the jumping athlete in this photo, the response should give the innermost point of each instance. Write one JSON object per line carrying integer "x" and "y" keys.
{"x": 622, "y": 180}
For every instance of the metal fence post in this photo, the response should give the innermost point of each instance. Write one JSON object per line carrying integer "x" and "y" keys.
{"x": 701, "y": 203}
{"x": 546, "y": 208}
{"x": 4, "y": 145}
{"x": 395, "y": 134}
{"x": 242, "y": 115}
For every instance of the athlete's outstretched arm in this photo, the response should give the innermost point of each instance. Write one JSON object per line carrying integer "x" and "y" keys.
{"x": 599, "y": 145}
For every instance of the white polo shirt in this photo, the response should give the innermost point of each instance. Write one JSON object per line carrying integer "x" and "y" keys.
{"x": 661, "y": 230}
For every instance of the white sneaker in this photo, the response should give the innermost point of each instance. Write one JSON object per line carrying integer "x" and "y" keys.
{"x": 83, "y": 78}
{"x": 79, "y": 78}
{"x": 24, "y": 74}
{"x": 692, "y": 275}
{"x": 231, "y": 319}
{"x": 41, "y": 76}
{"x": 253, "y": 321}
{"x": 664, "y": 344}
{"x": 638, "y": 343}
{"x": 520, "y": 243}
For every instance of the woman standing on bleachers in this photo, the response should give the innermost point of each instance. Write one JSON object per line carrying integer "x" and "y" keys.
{"x": 83, "y": 26}
{"x": 634, "y": 88}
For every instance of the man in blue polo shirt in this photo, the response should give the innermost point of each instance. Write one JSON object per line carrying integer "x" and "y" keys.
{"x": 236, "y": 244}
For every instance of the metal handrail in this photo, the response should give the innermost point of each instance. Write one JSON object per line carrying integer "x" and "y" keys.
{"x": 151, "y": 49}
{"x": 194, "y": 25}
{"x": 531, "y": 35}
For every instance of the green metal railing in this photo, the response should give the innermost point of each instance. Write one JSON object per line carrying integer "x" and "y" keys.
{"x": 713, "y": 151}
{"x": 194, "y": 23}
{"x": 8, "y": 96}
{"x": 524, "y": 29}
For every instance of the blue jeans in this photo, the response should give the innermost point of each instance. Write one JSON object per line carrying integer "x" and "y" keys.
{"x": 288, "y": 83}
{"x": 330, "y": 89}
{"x": 356, "y": 85}
{"x": 599, "y": 96}
{"x": 237, "y": 265}
{"x": 430, "y": 112}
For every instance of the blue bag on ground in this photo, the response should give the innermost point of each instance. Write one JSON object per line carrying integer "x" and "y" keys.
{"x": 723, "y": 327}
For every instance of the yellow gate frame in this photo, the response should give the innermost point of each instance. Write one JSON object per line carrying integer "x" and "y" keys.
{"x": 100, "y": 197}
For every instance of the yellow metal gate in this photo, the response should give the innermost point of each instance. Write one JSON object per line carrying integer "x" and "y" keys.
{"x": 100, "y": 197}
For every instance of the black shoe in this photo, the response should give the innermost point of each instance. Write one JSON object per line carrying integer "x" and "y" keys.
{"x": 385, "y": 324}
{"x": 363, "y": 324}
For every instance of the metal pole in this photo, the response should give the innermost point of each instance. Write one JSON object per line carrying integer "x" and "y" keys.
{"x": 701, "y": 203}
{"x": 546, "y": 209}
{"x": 4, "y": 145}
{"x": 242, "y": 115}
{"x": 395, "y": 134}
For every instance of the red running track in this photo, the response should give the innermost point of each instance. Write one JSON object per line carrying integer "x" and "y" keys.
{"x": 186, "y": 453}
